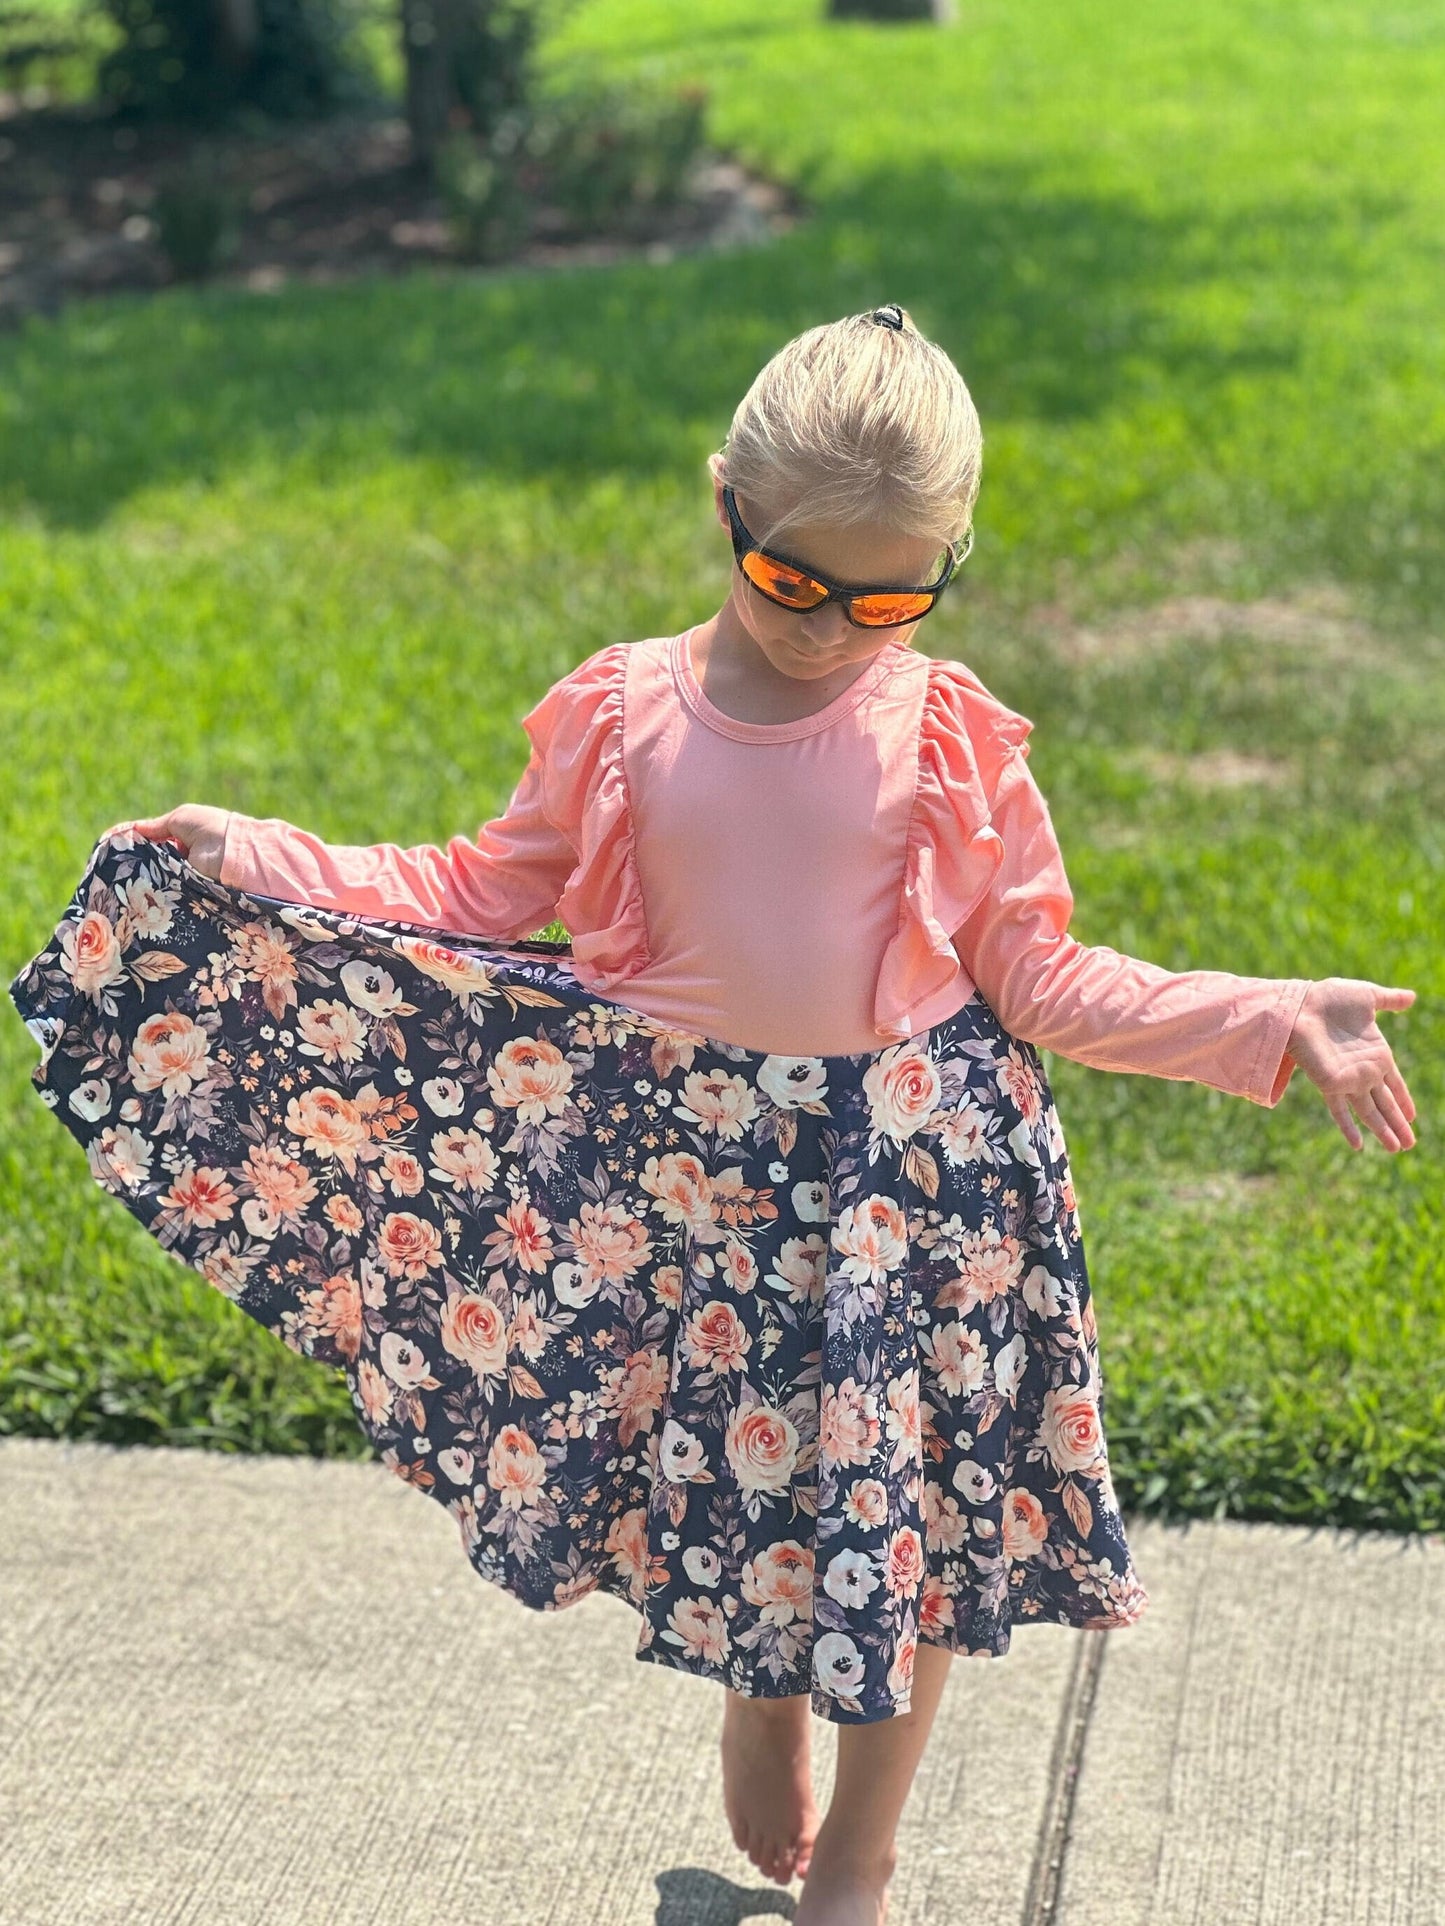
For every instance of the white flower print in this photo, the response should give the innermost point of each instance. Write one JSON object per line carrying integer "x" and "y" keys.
{"x": 838, "y": 1665}
{"x": 370, "y": 987}
{"x": 1021, "y": 1143}
{"x": 444, "y": 1095}
{"x": 790, "y": 1081}
{"x": 720, "y": 1102}
{"x": 149, "y": 907}
{"x": 702, "y": 1565}
{"x": 851, "y": 1578}
{"x": 572, "y": 1286}
{"x": 91, "y": 1099}
{"x": 121, "y": 1153}
{"x": 1008, "y": 1365}
{"x": 962, "y": 1135}
{"x": 810, "y": 1201}
{"x": 1040, "y": 1291}
{"x": 682, "y": 1455}
{"x": 975, "y": 1481}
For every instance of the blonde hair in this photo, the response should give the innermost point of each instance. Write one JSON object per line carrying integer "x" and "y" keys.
{"x": 857, "y": 422}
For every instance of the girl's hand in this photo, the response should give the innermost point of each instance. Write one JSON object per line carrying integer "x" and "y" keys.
{"x": 1336, "y": 1043}
{"x": 200, "y": 831}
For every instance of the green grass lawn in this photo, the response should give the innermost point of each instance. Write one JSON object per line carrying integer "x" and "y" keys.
{"x": 312, "y": 554}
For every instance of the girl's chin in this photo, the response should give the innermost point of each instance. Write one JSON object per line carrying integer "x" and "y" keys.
{"x": 793, "y": 660}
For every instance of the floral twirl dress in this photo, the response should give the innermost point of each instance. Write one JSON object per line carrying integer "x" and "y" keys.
{"x": 794, "y": 1354}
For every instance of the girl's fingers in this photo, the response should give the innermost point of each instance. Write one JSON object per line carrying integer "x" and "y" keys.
{"x": 1402, "y": 1093}
{"x": 1340, "y": 1111}
{"x": 1394, "y": 1116}
{"x": 1393, "y": 996}
{"x": 1368, "y": 1112}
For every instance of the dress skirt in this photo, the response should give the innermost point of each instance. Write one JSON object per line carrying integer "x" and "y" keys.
{"x": 796, "y": 1355}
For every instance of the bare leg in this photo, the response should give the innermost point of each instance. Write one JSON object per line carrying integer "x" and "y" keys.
{"x": 855, "y": 1851}
{"x": 767, "y": 1782}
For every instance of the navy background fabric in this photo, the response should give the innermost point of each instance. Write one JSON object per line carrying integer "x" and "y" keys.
{"x": 796, "y": 1355}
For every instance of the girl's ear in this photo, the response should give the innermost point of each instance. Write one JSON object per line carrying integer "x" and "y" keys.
{"x": 719, "y": 476}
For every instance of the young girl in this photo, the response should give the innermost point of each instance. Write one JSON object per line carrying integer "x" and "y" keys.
{"x": 726, "y": 1259}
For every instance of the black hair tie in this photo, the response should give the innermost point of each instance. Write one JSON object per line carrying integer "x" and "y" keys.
{"x": 890, "y": 316}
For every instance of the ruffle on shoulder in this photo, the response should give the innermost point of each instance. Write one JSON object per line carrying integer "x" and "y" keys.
{"x": 576, "y": 729}
{"x": 967, "y": 742}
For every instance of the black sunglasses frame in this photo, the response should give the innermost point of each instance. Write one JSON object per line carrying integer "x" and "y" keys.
{"x": 744, "y": 544}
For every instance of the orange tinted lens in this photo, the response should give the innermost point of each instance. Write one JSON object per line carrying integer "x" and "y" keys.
{"x": 882, "y": 611}
{"x": 799, "y": 591}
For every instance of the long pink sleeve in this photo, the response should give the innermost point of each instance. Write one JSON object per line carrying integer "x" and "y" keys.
{"x": 1097, "y": 1006}
{"x": 504, "y": 884}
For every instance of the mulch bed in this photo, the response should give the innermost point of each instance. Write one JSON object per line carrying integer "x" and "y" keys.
{"x": 324, "y": 202}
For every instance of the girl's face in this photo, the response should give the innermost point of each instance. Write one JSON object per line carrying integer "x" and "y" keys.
{"x": 811, "y": 645}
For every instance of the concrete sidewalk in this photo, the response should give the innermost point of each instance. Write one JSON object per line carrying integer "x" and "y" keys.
{"x": 239, "y": 1690}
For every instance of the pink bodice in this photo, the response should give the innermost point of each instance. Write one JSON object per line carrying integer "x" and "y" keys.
{"x": 824, "y": 886}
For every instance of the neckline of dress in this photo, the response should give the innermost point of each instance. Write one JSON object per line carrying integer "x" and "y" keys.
{"x": 693, "y": 694}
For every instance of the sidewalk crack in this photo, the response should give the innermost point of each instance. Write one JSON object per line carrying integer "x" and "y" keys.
{"x": 1046, "y": 1872}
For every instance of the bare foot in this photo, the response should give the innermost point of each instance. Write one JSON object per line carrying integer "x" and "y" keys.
{"x": 767, "y": 1786}
{"x": 835, "y": 1895}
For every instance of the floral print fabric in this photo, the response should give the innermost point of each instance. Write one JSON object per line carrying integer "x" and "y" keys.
{"x": 796, "y": 1355}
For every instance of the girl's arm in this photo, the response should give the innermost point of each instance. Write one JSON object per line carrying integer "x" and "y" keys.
{"x": 503, "y": 884}
{"x": 1098, "y": 1006}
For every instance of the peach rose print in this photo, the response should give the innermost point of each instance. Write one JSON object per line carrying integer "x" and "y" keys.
{"x": 762, "y": 1447}
{"x": 698, "y": 1625}
{"x": 329, "y": 1125}
{"x": 612, "y": 1243}
{"x": 848, "y": 1428}
{"x": 203, "y": 1196}
{"x": 682, "y": 1189}
{"x": 990, "y": 1264}
{"x": 873, "y": 1237}
{"x": 779, "y": 1581}
{"x": 626, "y": 1541}
{"x": 532, "y": 1077}
{"x": 465, "y": 976}
{"x": 1018, "y": 1082}
{"x": 523, "y": 1237}
{"x": 1070, "y": 1429}
{"x": 903, "y": 1568}
{"x": 407, "y": 1245}
{"x": 474, "y": 1330}
{"x": 715, "y": 1338}
{"x": 171, "y": 1053}
{"x": 332, "y": 1031}
{"x": 516, "y": 1470}
{"x": 463, "y": 1158}
{"x": 1025, "y": 1527}
{"x": 90, "y": 954}
{"x": 334, "y": 1311}
{"x": 283, "y": 1185}
{"x": 903, "y": 1089}
{"x": 634, "y": 1393}
{"x": 717, "y": 1102}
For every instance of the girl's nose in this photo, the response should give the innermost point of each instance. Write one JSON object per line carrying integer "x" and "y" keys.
{"x": 826, "y": 625}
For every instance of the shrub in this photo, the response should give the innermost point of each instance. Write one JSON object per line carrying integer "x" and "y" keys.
{"x": 199, "y": 220}
{"x": 603, "y": 159}
{"x": 483, "y": 190}
{"x": 197, "y": 60}
{"x": 611, "y": 155}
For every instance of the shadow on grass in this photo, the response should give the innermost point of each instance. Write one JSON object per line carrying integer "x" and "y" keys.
{"x": 1047, "y": 303}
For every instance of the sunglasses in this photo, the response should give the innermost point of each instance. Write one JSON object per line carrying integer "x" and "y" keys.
{"x": 877, "y": 606}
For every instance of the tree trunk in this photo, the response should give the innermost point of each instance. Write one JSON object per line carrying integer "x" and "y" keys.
{"x": 236, "y": 35}
{"x": 428, "y": 32}
{"x": 940, "y": 11}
